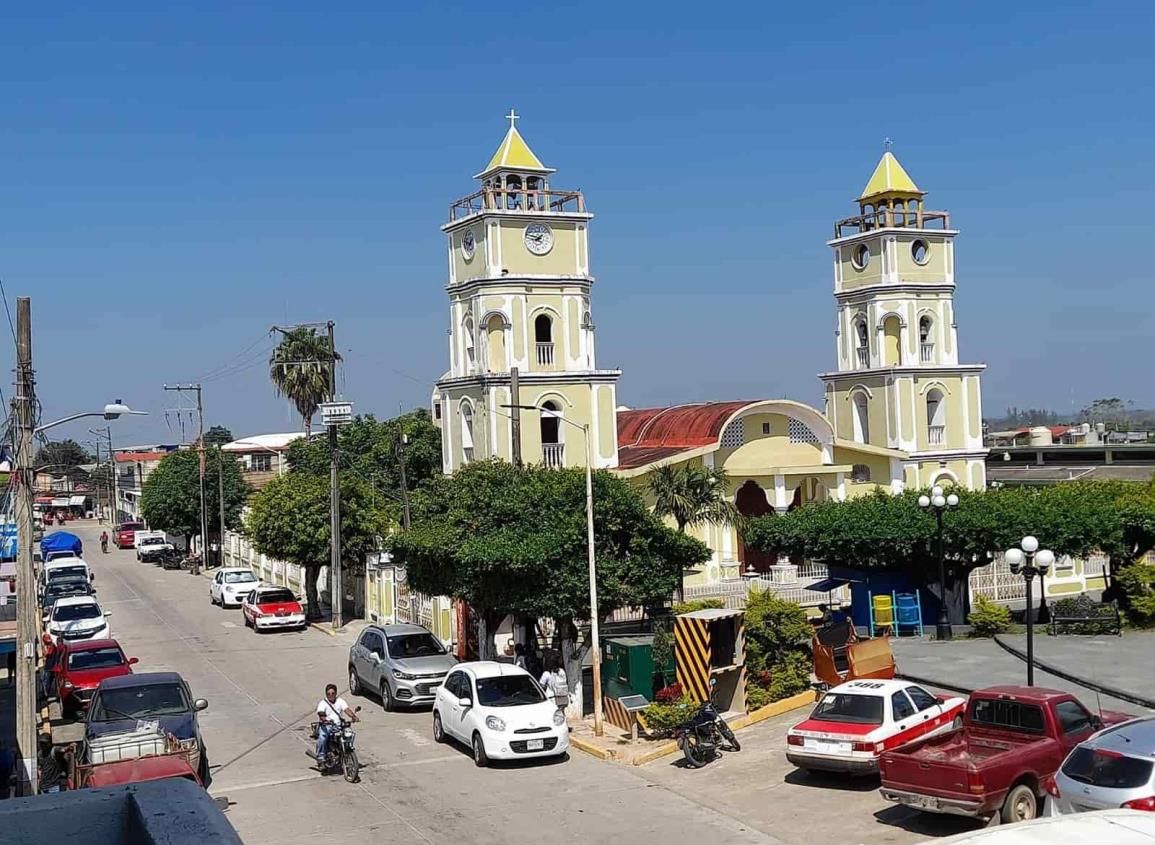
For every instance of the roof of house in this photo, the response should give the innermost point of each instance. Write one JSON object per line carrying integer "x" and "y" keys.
{"x": 646, "y": 435}
{"x": 260, "y": 442}
{"x": 889, "y": 177}
{"x": 128, "y": 457}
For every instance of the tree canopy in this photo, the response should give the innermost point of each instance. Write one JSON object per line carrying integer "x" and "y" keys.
{"x": 62, "y": 457}
{"x": 692, "y": 495}
{"x": 218, "y": 435}
{"x": 171, "y": 501}
{"x": 513, "y": 540}
{"x": 370, "y": 449}
{"x": 288, "y": 519}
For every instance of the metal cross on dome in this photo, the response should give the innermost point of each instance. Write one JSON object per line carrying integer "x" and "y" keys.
{"x": 512, "y": 118}
{"x": 889, "y": 144}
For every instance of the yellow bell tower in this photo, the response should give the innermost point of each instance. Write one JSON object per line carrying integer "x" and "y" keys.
{"x": 899, "y": 383}
{"x": 519, "y": 296}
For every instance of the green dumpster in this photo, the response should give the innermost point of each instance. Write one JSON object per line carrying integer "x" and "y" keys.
{"x": 628, "y": 667}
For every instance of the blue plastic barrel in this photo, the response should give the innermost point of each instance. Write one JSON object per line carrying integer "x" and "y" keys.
{"x": 908, "y": 609}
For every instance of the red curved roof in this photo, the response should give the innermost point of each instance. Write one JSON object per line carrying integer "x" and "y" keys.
{"x": 646, "y": 435}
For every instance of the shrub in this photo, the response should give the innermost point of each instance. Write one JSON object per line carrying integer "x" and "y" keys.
{"x": 988, "y": 618}
{"x": 698, "y": 604}
{"x": 757, "y": 696}
{"x": 663, "y": 649}
{"x": 661, "y": 718}
{"x": 1137, "y": 583}
{"x": 670, "y": 694}
{"x": 777, "y": 659}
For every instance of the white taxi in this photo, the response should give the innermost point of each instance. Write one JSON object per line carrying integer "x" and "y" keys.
{"x": 856, "y": 721}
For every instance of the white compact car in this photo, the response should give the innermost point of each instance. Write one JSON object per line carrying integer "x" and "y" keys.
{"x": 856, "y": 721}
{"x": 78, "y": 618}
{"x": 230, "y": 586}
{"x": 500, "y": 712}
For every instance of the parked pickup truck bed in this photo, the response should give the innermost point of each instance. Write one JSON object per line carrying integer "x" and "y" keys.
{"x": 1011, "y": 741}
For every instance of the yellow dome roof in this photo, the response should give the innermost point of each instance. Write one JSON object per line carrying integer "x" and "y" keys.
{"x": 889, "y": 179}
{"x": 514, "y": 153}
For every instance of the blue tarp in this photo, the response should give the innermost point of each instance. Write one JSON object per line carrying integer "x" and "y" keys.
{"x": 61, "y": 541}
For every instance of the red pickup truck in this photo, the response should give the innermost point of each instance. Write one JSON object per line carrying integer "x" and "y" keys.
{"x": 1011, "y": 741}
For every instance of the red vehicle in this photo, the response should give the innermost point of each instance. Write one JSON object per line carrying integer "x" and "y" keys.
{"x": 125, "y": 534}
{"x": 269, "y": 608}
{"x": 1012, "y": 741}
{"x": 79, "y": 666}
{"x": 171, "y": 762}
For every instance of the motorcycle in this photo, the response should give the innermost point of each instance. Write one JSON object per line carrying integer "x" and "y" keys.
{"x": 703, "y": 734}
{"x": 171, "y": 559}
{"x": 340, "y": 756}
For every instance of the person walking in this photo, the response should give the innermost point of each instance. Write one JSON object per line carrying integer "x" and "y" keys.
{"x": 104, "y": 541}
{"x": 519, "y": 656}
{"x": 554, "y": 683}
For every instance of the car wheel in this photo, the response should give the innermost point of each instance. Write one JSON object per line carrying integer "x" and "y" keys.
{"x": 1021, "y": 805}
{"x": 386, "y": 697}
{"x": 354, "y": 682}
{"x": 957, "y": 723}
{"x": 480, "y": 759}
{"x": 438, "y": 728}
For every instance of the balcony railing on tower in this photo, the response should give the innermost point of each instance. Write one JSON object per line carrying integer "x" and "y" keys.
{"x": 553, "y": 455}
{"x": 888, "y": 218}
{"x": 545, "y": 354}
{"x": 936, "y": 435}
{"x": 863, "y": 356}
{"x": 926, "y": 353}
{"x": 497, "y": 199}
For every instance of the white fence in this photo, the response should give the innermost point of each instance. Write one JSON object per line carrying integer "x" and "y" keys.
{"x": 1068, "y": 577}
{"x": 786, "y": 581}
{"x": 239, "y": 552}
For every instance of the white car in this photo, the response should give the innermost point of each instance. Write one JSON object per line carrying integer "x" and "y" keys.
{"x": 856, "y": 721}
{"x": 498, "y": 710}
{"x": 230, "y": 586}
{"x": 78, "y": 618}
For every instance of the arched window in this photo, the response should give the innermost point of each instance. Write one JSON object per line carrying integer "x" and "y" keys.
{"x": 467, "y": 431}
{"x": 863, "y": 342}
{"x": 532, "y": 200}
{"x": 860, "y": 473}
{"x": 861, "y": 418}
{"x": 935, "y": 418}
{"x": 470, "y": 351}
{"x": 552, "y": 445}
{"x": 543, "y": 334}
{"x": 892, "y": 341}
{"x": 495, "y": 344}
{"x": 513, "y": 191}
{"x": 925, "y": 339}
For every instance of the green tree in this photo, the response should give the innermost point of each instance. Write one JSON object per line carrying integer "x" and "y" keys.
{"x": 777, "y": 639}
{"x": 288, "y": 519}
{"x": 511, "y": 540}
{"x": 1114, "y": 412}
{"x": 171, "y": 501}
{"x": 299, "y": 370}
{"x": 371, "y": 449}
{"x": 218, "y": 435}
{"x": 692, "y": 495}
{"x": 63, "y": 457}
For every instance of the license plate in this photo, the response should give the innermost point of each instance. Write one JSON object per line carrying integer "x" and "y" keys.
{"x": 826, "y": 746}
{"x": 921, "y": 801}
{"x": 534, "y": 744}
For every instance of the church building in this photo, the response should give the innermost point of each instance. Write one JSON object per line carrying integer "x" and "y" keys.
{"x": 901, "y": 411}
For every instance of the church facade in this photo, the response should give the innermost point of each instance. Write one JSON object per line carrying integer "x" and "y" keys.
{"x": 901, "y": 411}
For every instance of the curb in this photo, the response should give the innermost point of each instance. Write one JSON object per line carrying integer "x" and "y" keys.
{"x": 325, "y": 628}
{"x": 590, "y": 748}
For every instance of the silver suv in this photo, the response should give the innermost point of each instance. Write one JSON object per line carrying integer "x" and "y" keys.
{"x": 404, "y": 664}
{"x": 1114, "y": 768}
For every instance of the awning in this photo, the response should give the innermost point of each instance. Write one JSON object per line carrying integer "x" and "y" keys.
{"x": 60, "y": 502}
{"x": 78, "y": 500}
{"x": 827, "y": 585}
{"x": 44, "y": 500}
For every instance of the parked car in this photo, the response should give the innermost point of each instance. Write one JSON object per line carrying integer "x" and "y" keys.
{"x": 125, "y": 534}
{"x": 68, "y": 567}
{"x": 151, "y": 546}
{"x": 404, "y": 664}
{"x": 78, "y": 618}
{"x": 1114, "y": 768}
{"x": 855, "y": 722}
{"x": 1012, "y": 739}
{"x": 1117, "y": 827}
{"x": 498, "y": 710}
{"x": 230, "y": 585}
{"x": 78, "y": 668}
{"x": 61, "y": 587}
{"x": 270, "y": 608}
{"x": 121, "y": 704}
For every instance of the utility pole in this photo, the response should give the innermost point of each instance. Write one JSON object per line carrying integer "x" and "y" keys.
{"x": 27, "y": 623}
{"x": 335, "y": 586}
{"x": 180, "y": 388}
{"x": 402, "y": 442}
{"x": 113, "y": 482}
{"x": 515, "y": 414}
{"x": 221, "y": 500}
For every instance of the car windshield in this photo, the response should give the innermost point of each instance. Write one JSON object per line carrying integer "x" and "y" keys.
{"x": 152, "y": 541}
{"x": 275, "y": 596}
{"x": 131, "y": 526}
{"x": 239, "y": 577}
{"x": 95, "y": 658}
{"x": 1107, "y": 768}
{"x": 508, "y": 691}
{"x": 414, "y": 645}
{"x": 139, "y": 702}
{"x": 66, "y": 586}
{"x": 67, "y": 572}
{"x": 72, "y": 612}
{"x": 841, "y": 707}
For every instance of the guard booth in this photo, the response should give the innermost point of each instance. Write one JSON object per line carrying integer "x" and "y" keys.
{"x": 710, "y": 645}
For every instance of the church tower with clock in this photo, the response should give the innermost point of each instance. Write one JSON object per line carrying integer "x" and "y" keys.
{"x": 520, "y": 318}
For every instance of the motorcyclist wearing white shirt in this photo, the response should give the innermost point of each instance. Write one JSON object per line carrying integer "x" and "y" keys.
{"x": 330, "y": 711}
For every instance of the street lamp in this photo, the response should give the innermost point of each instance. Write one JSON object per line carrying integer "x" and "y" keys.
{"x": 939, "y": 503}
{"x": 112, "y": 411}
{"x": 1030, "y": 560}
{"x": 596, "y": 640}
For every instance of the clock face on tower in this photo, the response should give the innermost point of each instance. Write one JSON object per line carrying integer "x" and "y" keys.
{"x": 538, "y": 238}
{"x": 468, "y": 244}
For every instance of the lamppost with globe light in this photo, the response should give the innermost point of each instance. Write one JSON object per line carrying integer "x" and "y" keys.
{"x": 1029, "y": 560}
{"x": 939, "y": 503}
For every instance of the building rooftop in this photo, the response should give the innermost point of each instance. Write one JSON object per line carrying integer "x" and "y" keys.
{"x": 260, "y": 442}
{"x": 889, "y": 178}
{"x": 650, "y": 434}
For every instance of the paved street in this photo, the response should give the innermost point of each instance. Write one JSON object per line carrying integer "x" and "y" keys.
{"x": 262, "y": 690}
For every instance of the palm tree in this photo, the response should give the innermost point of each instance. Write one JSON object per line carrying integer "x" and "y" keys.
{"x": 299, "y": 370}
{"x": 692, "y": 495}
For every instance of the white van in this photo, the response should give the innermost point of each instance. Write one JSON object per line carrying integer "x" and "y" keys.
{"x": 64, "y": 567}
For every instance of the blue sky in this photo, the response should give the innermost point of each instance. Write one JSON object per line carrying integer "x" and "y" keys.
{"x": 177, "y": 178}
